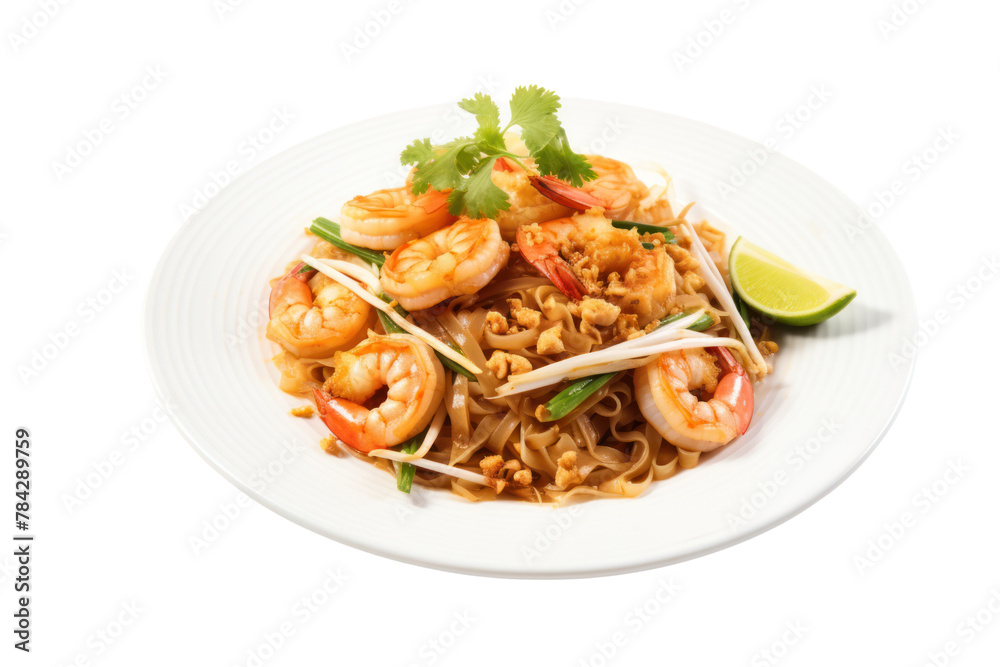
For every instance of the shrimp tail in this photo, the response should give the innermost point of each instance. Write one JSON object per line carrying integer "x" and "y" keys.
{"x": 565, "y": 194}
{"x": 544, "y": 257}
{"x": 285, "y": 283}
{"x": 558, "y": 271}
{"x": 345, "y": 420}
{"x": 735, "y": 388}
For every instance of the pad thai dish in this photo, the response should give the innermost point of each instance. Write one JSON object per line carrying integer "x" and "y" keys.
{"x": 518, "y": 320}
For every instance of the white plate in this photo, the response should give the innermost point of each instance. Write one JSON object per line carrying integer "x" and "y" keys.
{"x": 206, "y": 350}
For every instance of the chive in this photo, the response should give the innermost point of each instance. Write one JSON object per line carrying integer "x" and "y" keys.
{"x": 577, "y": 391}
{"x": 305, "y": 269}
{"x": 572, "y": 396}
{"x": 404, "y": 475}
{"x": 448, "y": 363}
{"x": 700, "y": 324}
{"x": 329, "y": 231}
{"x": 741, "y": 308}
{"x": 643, "y": 228}
{"x": 648, "y": 246}
{"x": 387, "y": 323}
{"x": 389, "y": 326}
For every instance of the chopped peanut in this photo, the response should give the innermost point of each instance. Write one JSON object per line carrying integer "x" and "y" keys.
{"x": 522, "y": 477}
{"x": 767, "y": 347}
{"x": 496, "y": 322}
{"x": 567, "y": 460}
{"x": 502, "y": 364}
{"x": 329, "y": 445}
{"x": 599, "y": 312}
{"x": 518, "y": 364}
{"x": 693, "y": 282}
{"x": 589, "y": 330}
{"x": 526, "y": 317}
{"x": 499, "y": 474}
{"x": 615, "y": 288}
{"x": 627, "y": 323}
{"x": 550, "y": 341}
{"x": 491, "y": 465}
{"x": 533, "y": 234}
{"x": 683, "y": 260}
{"x": 567, "y": 473}
{"x": 302, "y": 411}
{"x": 497, "y": 364}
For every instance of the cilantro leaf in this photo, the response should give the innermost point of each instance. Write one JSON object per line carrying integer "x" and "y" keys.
{"x": 465, "y": 165}
{"x": 418, "y": 152}
{"x": 556, "y": 158}
{"x": 487, "y": 115}
{"x": 478, "y": 196}
{"x": 446, "y": 167}
{"x": 533, "y": 109}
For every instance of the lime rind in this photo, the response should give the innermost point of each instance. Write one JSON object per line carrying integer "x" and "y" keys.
{"x": 800, "y": 301}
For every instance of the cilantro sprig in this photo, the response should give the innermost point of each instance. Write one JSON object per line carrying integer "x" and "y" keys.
{"x": 465, "y": 165}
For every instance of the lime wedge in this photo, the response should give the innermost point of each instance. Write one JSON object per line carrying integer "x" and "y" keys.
{"x": 782, "y": 290}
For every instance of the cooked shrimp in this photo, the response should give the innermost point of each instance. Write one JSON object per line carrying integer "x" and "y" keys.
{"x": 311, "y": 315}
{"x": 603, "y": 261}
{"x": 616, "y": 189}
{"x": 664, "y": 388}
{"x": 412, "y": 375}
{"x": 527, "y": 204}
{"x": 386, "y": 219}
{"x": 459, "y": 259}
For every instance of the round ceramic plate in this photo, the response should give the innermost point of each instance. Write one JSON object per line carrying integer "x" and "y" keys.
{"x": 204, "y": 333}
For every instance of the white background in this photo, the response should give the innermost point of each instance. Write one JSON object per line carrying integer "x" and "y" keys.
{"x": 888, "y": 90}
